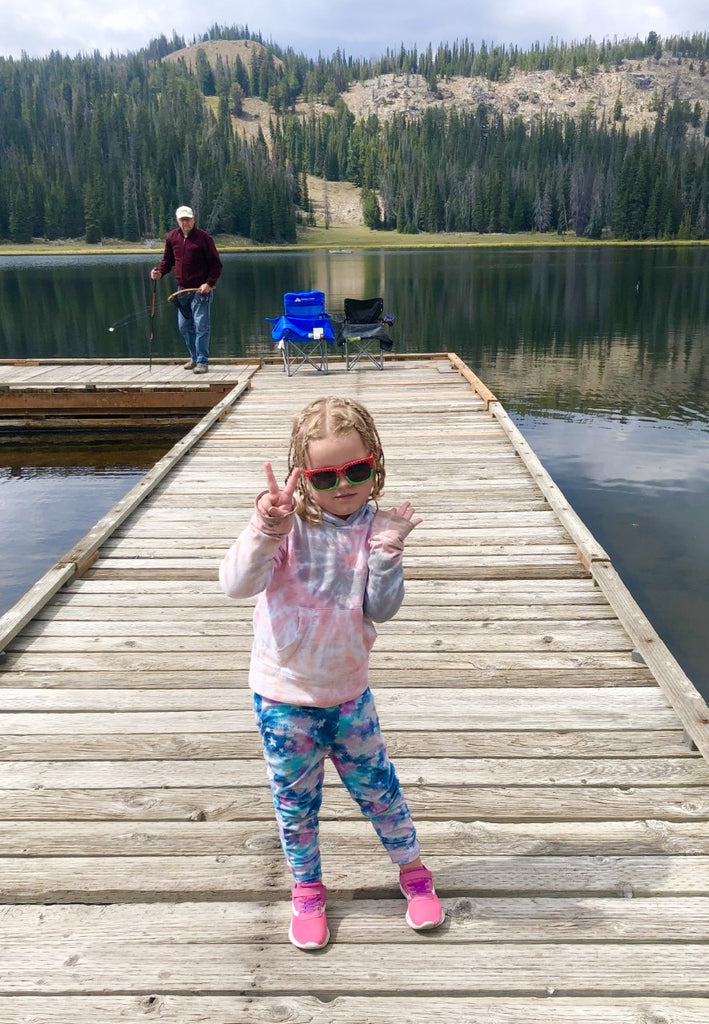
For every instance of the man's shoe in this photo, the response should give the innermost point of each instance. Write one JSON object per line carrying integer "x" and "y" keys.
{"x": 200, "y": 368}
{"x": 308, "y": 929}
{"x": 424, "y": 909}
{"x": 189, "y": 365}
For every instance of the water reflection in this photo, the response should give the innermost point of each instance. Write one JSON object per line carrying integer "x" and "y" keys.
{"x": 643, "y": 488}
{"x": 612, "y": 311}
{"x": 52, "y": 491}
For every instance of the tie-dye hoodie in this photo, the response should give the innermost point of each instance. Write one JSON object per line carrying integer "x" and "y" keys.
{"x": 320, "y": 590}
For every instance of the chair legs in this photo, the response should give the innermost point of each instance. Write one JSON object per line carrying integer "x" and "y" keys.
{"x": 356, "y": 350}
{"x": 299, "y": 352}
{"x": 303, "y": 352}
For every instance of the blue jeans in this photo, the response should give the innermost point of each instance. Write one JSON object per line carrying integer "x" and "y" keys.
{"x": 296, "y": 742}
{"x": 194, "y": 327}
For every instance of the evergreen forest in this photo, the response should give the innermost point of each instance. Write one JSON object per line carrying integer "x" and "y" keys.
{"x": 98, "y": 147}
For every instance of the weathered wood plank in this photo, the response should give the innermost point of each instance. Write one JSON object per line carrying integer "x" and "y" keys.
{"x": 384, "y": 1009}
{"x": 506, "y": 591}
{"x": 439, "y": 664}
{"x": 205, "y": 613}
{"x": 453, "y": 559}
{"x": 88, "y": 739}
{"x": 443, "y": 771}
{"x": 489, "y": 674}
{"x": 154, "y": 520}
{"x": 120, "y": 879}
{"x": 440, "y": 838}
{"x": 478, "y": 919}
{"x": 504, "y": 968}
{"x": 438, "y": 542}
{"x": 590, "y": 635}
{"x": 252, "y": 803}
{"x": 514, "y": 708}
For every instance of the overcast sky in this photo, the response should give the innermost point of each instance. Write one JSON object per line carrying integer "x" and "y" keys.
{"x": 365, "y": 28}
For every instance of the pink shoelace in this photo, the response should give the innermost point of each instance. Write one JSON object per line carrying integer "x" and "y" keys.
{"x": 308, "y": 904}
{"x": 418, "y": 886}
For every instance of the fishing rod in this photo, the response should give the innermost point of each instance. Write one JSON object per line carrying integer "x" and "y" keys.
{"x": 152, "y": 327}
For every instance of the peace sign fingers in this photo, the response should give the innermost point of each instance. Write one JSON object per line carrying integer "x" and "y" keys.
{"x": 280, "y": 499}
{"x": 291, "y": 484}
{"x": 271, "y": 483}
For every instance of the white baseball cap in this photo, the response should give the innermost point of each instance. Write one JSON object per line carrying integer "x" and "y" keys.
{"x": 184, "y": 211}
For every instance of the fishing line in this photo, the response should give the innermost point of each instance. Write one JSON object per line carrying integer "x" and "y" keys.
{"x": 131, "y": 318}
{"x": 148, "y": 310}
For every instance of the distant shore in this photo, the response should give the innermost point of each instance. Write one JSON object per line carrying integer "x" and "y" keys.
{"x": 337, "y": 239}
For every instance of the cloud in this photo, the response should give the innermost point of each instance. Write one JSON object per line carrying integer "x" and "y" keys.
{"x": 630, "y": 452}
{"x": 312, "y": 26}
{"x": 80, "y": 27}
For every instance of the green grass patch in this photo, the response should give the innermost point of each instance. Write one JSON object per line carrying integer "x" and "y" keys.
{"x": 331, "y": 239}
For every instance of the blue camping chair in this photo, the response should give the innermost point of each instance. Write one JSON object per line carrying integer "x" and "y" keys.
{"x": 303, "y": 332}
{"x": 363, "y": 332}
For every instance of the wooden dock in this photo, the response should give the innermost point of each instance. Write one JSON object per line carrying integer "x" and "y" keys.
{"x": 103, "y": 393}
{"x": 552, "y": 751}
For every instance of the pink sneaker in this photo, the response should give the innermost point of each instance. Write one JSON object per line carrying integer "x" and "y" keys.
{"x": 308, "y": 927}
{"x": 424, "y": 909}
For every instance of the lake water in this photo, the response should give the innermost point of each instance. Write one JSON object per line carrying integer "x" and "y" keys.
{"x": 55, "y": 486}
{"x": 599, "y": 354}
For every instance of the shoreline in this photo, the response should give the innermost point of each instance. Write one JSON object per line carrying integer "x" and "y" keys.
{"x": 340, "y": 240}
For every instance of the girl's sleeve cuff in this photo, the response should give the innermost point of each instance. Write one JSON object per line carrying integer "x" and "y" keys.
{"x": 389, "y": 532}
{"x": 274, "y": 521}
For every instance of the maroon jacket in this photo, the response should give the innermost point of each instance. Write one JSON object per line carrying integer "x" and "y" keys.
{"x": 194, "y": 258}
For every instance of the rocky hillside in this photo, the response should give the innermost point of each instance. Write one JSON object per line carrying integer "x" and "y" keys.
{"x": 636, "y": 85}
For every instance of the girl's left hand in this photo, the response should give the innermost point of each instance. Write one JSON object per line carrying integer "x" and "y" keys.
{"x": 407, "y": 511}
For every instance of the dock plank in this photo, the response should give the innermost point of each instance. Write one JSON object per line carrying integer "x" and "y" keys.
{"x": 174, "y": 1009}
{"x": 43, "y": 392}
{"x": 199, "y": 736}
{"x": 552, "y": 838}
{"x": 494, "y": 968}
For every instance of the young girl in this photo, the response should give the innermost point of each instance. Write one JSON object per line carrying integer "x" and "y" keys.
{"x": 326, "y": 564}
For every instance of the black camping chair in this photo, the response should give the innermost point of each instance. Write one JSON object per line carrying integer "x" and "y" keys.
{"x": 364, "y": 332}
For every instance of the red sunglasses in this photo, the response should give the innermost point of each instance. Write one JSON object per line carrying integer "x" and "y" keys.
{"x": 327, "y": 479}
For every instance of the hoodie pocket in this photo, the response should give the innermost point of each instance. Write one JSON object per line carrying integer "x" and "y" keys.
{"x": 283, "y": 633}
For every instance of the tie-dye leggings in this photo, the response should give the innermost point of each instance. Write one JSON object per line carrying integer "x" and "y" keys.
{"x": 296, "y": 742}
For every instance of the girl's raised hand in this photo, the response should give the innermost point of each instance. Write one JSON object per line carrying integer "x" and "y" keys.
{"x": 407, "y": 511}
{"x": 281, "y": 499}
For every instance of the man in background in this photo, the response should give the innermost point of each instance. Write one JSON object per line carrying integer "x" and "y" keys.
{"x": 193, "y": 256}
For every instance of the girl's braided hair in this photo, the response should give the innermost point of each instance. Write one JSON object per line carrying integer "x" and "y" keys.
{"x": 330, "y": 417}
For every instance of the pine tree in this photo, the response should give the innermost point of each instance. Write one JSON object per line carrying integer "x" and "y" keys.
{"x": 205, "y": 76}
{"x": 20, "y": 219}
{"x": 92, "y": 212}
{"x": 370, "y": 209}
